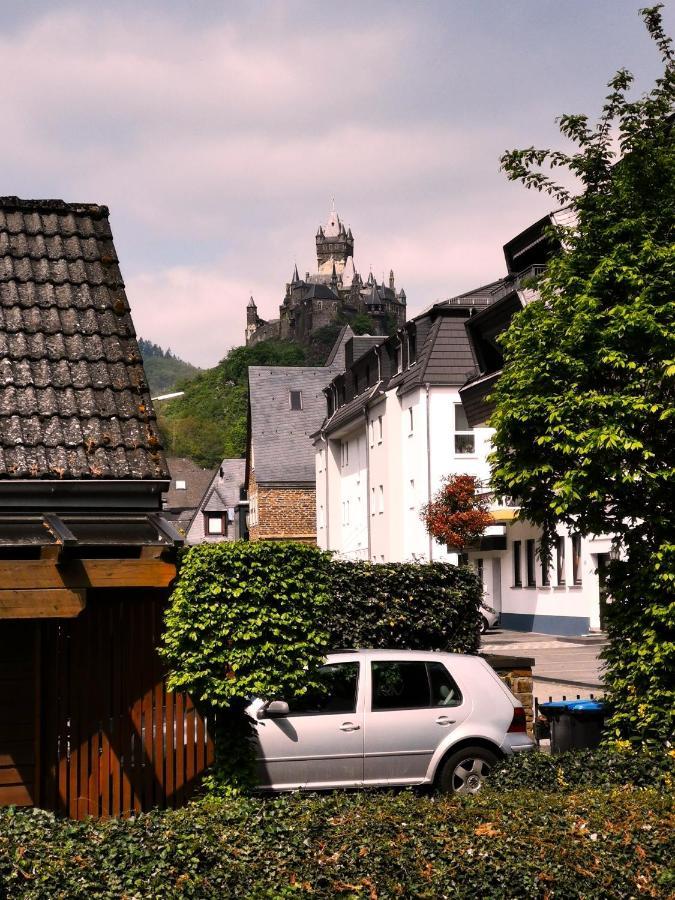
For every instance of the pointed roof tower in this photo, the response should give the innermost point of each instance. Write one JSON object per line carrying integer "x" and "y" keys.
{"x": 295, "y": 278}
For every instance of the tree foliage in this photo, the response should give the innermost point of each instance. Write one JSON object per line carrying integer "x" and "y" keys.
{"x": 584, "y": 408}
{"x": 456, "y": 516}
{"x": 208, "y": 423}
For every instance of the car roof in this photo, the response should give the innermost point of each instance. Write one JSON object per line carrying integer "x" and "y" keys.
{"x": 398, "y": 654}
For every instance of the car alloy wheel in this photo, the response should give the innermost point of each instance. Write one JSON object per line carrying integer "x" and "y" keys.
{"x": 465, "y": 771}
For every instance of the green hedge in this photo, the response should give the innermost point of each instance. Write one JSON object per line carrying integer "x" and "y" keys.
{"x": 403, "y": 605}
{"x": 592, "y": 844}
{"x": 601, "y": 768}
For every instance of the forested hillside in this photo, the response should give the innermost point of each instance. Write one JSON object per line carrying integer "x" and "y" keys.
{"x": 208, "y": 423}
{"x": 162, "y": 369}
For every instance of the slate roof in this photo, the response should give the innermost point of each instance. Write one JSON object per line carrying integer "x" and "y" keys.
{"x": 223, "y": 493}
{"x": 283, "y": 451}
{"x": 74, "y": 401}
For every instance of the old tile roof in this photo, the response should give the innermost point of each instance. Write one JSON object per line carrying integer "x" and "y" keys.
{"x": 224, "y": 491}
{"x": 74, "y": 402}
{"x": 197, "y": 481}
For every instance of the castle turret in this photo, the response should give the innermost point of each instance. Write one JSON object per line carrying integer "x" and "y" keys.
{"x": 252, "y": 320}
{"x": 334, "y": 245}
{"x": 391, "y": 280}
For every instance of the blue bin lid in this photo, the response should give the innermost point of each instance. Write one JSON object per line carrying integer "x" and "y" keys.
{"x": 582, "y": 706}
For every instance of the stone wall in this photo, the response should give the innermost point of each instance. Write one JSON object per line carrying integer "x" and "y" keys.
{"x": 283, "y": 513}
{"x": 516, "y": 673}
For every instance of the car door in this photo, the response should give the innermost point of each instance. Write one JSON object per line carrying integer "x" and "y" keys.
{"x": 413, "y": 706}
{"x": 319, "y": 744}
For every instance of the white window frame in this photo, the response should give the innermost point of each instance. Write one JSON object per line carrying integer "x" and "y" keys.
{"x": 181, "y": 484}
{"x": 456, "y": 433}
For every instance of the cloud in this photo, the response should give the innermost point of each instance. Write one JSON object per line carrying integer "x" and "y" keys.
{"x": 217, "y": 134}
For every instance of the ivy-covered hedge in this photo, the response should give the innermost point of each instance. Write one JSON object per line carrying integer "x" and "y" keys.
{"x": 591, "y": 844}
{"x": 599, "y": 768}
{"x": 403, "y": 605}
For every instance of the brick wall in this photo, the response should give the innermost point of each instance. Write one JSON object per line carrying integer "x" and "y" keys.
{"x": 283, "y": 513}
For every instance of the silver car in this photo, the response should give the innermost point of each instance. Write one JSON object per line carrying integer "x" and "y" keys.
{"x": 390, "y": 717}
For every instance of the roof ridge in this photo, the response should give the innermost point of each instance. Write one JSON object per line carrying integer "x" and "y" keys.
{"x": 54, "y": 206}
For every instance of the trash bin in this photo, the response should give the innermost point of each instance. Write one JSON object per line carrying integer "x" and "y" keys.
{"x": 575, "y": 724}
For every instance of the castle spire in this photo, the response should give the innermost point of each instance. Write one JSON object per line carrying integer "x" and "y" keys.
{"x": 295, "y": 277}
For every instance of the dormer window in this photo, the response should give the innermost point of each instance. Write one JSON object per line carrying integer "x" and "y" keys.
{"x": 399, "y": 358}
{"x": 412, "y": 348}
{"x": 295, "y": 399}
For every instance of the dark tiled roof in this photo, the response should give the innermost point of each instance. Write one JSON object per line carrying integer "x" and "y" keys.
{"x": 197, "y": 481}
{"x": 74, "y": 402}
{"x": 474, "y": 398}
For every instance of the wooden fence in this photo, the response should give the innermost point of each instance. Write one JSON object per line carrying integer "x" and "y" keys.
{"x": 110, "y": 739}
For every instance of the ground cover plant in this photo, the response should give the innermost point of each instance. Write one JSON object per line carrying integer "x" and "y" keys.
{"x": 586, "y": 402}
{"x": 587, "y": 843}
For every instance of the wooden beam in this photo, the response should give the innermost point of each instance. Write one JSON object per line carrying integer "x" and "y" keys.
{"x": 58, "y": 603}
{"x": 35, "y": 574}
{"x": 50, "y": 551}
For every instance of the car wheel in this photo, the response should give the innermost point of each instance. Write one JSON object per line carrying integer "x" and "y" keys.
{"x": 465, "y": 771}
{"x": 484, "y": 624}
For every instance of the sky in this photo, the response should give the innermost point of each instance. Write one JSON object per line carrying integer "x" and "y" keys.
{"x": 218, "y": 133}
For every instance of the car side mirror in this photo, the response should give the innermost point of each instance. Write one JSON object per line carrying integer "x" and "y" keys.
{"x": 275, "y": 709}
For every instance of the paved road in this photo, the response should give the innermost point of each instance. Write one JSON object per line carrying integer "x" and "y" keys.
{"x": 562, "y": 667}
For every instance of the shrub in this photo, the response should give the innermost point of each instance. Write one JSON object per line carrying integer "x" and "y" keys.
{"x": 456, "y": 516}
{"x": 595, "y": 844}
{"x": 601, "y": 768}
{"x": 403, "y": 605}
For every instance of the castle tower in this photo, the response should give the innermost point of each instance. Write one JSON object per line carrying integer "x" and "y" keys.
{"x": 334, "y": 245}
{"x": 252, "y": 320}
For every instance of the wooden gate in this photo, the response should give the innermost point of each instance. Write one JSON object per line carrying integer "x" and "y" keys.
{"x": 114, "y": 741}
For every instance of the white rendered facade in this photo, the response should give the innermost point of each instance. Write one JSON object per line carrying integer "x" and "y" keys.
{"x": 376, "y": 471}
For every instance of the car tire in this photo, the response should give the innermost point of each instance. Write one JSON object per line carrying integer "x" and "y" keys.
{"x": 465, "y": 771}
{"x": 484, "y": 624}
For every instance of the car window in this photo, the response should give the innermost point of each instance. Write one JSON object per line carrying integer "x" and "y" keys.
{"x": 444, "y": 691}
{"x": 338, "y": 684}
{"x": 412, "y": 685}
{"x": 399, "y": 685}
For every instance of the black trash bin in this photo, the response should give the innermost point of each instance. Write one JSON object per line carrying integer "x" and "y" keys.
{"x": 575, "y": 724}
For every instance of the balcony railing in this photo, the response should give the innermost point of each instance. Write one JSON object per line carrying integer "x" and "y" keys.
{"x": 517, "y": 281}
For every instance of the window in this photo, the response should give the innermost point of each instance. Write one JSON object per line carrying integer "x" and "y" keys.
{"x": 517, "y": 577}
{"x": 215, "y": 523}
{"x": 412, "y": 685}
{"x": 372, "y": 501}
{"x": 480, "y": 570}
{"x": 412, "y": 493}
{"x": 412, "y": 348}
{"x": 464, "y": 436}
{"x": 381, "y": 498}
{"x": 345, "y": 512}
{"x": 576, "y": 558}
{"x": 181, "y": 485}
{"x": 336, "y": 694}
{"x": 319, "y": 516}
{"x": 380, "y": 429}
{"x": 399, "y": 358}
{"x": 371, "y": 430}
{"x": 344, "y": 453}
{"x": 320, "y": 461}
{"x": 560, "y": 558}
{"x": 545, "y": 573}
{"x": 529, "y": 556}
{"x": 411, "y": 420}
{"x": 295, "y": 399}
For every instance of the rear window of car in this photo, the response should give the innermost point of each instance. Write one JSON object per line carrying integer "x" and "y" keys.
{"x": 412, "y": 685}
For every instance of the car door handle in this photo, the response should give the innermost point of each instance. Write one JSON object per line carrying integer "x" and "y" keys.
{"x": 349, "y": 726}
{"x": 444, "y": 720}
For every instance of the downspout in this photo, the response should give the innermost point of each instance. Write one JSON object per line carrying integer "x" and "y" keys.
{"x": 325, "y": 440}
{"x": 431, "y": 540}
{"x": 367, "y": 421}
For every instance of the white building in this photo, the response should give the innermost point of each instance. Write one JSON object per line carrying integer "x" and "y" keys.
{"x": 410, "y": 410}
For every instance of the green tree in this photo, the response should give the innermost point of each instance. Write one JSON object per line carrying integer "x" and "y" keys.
{"x": 584, "y": 408}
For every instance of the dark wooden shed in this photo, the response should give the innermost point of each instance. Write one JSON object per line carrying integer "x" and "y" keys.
{"x": 87, "y": 726}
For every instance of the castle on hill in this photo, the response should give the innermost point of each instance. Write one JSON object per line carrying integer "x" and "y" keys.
{"x": 336, "y": 293}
